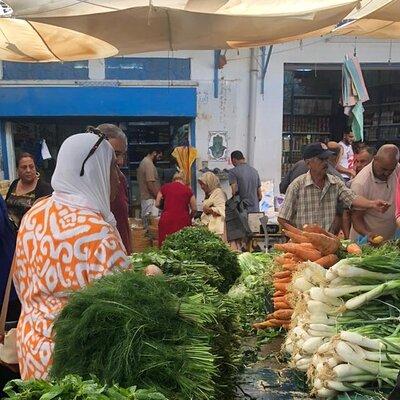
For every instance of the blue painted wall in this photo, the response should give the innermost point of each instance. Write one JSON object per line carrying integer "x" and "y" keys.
{"x": 136, "y": 68}
{"x": 42, "y": 71}
{"x": 97, "y": 101}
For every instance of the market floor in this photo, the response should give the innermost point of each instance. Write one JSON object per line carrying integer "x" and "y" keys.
{"x": 269, "y": 378}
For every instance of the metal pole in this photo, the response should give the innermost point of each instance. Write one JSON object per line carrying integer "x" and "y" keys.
{"x": 251, "y": 130}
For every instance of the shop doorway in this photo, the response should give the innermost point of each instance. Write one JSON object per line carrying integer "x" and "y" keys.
{"x": 311, "y": 109}
{"x": 142, "y": 134}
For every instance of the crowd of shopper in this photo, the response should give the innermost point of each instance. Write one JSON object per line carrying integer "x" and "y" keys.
{"x": 346, "y": 191}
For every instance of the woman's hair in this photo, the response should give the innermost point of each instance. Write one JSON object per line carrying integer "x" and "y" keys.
{"x": 178, "y": 176}
{"x": 25, "y": 155}
{"x": 210, "y": 180}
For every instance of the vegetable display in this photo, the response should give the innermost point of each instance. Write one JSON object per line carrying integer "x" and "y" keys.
{"x": 312, "y": 243}
{"x": 131, "y": 329}
{"x": 345, "y": 324}
{"x": 199, "y": 244}
{"x": 74, "y": 387}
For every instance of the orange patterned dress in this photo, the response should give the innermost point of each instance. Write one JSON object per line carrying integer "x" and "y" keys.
{"x": 59, "y": 250}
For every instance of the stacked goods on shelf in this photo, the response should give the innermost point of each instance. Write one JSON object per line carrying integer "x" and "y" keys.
{"x": 253, "y": 287}
{"x": 4, "y": 185}
{"x": 345, "y": 325}
{"x": 140, "y": 239}
{"x": 153, "y": 231}
{"x": 312, "y": 243}
{"x": 176, "y": 333}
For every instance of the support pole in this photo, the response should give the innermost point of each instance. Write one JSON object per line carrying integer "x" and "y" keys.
{"x": 217, "y": 54}
{"x": 265, "y": 61}
{"x": 251, "y": 131}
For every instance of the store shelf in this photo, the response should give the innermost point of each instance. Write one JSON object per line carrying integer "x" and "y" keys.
{"x": 392, "y": 103}
{"x": 384, "y": 125}
{"x": 312, "y": 96}
{"x": 149, "y": 144}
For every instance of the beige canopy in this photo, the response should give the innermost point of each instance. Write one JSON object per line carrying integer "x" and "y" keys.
{"x": 22, "y": 40}
{"x": 143, "y": 25}
{"x": 376, "y": 18}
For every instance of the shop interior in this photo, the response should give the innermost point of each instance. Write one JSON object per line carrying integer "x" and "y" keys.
{"x": 312, "y": 110}
{"x": 161, "y": 133}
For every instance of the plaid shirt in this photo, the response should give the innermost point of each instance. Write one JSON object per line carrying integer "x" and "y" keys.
{"x": 305, "y": 203}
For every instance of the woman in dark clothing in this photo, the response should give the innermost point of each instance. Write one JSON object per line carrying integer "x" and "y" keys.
{"x": 25, "y": 190}
{"x": 7, "y": 247}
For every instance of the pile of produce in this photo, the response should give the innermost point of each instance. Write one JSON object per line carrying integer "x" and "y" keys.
{"x": 177, "y": 333}
{"x": 345, "y": 324}
{"x": 311, "y": 243}
{"x": 199, "y": 244}
{"x": 131, "y": 329}
{"x": 253, "y": 288}
{"x": 74, "y": 387}
{"x": 197, "y": 277}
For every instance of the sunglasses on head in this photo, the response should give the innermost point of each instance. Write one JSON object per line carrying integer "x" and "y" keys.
{"x": 101, "y": 136}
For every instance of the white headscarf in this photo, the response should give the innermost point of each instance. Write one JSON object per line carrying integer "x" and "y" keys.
{"x": 92, "y": 190}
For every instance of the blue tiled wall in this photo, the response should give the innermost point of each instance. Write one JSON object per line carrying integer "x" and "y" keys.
{"x": 136, "y": 68}
{"x": 77, "y": 70}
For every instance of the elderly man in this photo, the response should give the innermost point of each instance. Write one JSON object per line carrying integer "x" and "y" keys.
{"x": 363, "y": 157}
{"x": 377, "y": 179}
{"x": 312, "y": 198}
{"x": 120, "y": 206}
{"x": 301, "y": 168}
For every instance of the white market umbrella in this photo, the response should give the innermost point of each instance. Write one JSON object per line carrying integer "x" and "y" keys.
{"x": 188, "y": 24}
{"x": 28, "y": 41}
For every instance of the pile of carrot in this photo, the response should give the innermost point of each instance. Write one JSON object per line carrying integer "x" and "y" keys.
{"x": 310, "y": 244}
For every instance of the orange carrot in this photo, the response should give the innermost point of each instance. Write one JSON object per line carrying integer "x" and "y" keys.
{"x": 312, "y": 228}
{"x": 283, "y": 280}
{"x": 328, "y": 261}
{"x": 326, "y": 245}
{"x": 282, "y": 274}
{"x": 293, "y": 229}
{"x": 281, "y": 306}
{"x": 280, "y": 260}
{"x": 354, "y": 248}
{"x": 299, "y": 250}
{"x": 278, "y": 293}
{"x": 295, "y": 237}
{"x": 280, "y": 299}
{"x": 290, "y": 267}
{"x": 281, "y": 286}
{"x": 283, "y": 314}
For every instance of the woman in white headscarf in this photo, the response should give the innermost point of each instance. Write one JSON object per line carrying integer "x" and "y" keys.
{"x": 214, "y": 204}
{"x": 65, "y": 241}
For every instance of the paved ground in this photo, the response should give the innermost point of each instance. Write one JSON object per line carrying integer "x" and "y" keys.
{"x": 269, "y": 378}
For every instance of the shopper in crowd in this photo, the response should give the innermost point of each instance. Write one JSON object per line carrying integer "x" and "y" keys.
{"x": 149, "y": 184}
{"x": 300, "y": 168}
{"x": 7, "y": 247}
{"x": 363, "y": 157}
{"x": 245, "y": 182}
{"x": 25, "y": 190}
{"x": 178, "y": 205}
{"x": 120, "y": 206}
{"x": 214, "y": 204}
{"x": 377, "y": 180}
{"x": 65, "y": 242}
{"x": 345, "y": 165}
{"x": 313, "y": 198}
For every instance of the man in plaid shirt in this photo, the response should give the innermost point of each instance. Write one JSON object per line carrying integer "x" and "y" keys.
{"x": 312, "y": 198}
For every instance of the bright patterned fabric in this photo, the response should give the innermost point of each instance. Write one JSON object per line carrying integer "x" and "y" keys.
{"x": 59, "y": 250}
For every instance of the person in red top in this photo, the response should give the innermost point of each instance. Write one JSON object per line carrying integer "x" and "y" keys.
{"x": 178, "y": 204}
{"x": 120, "y": 205}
